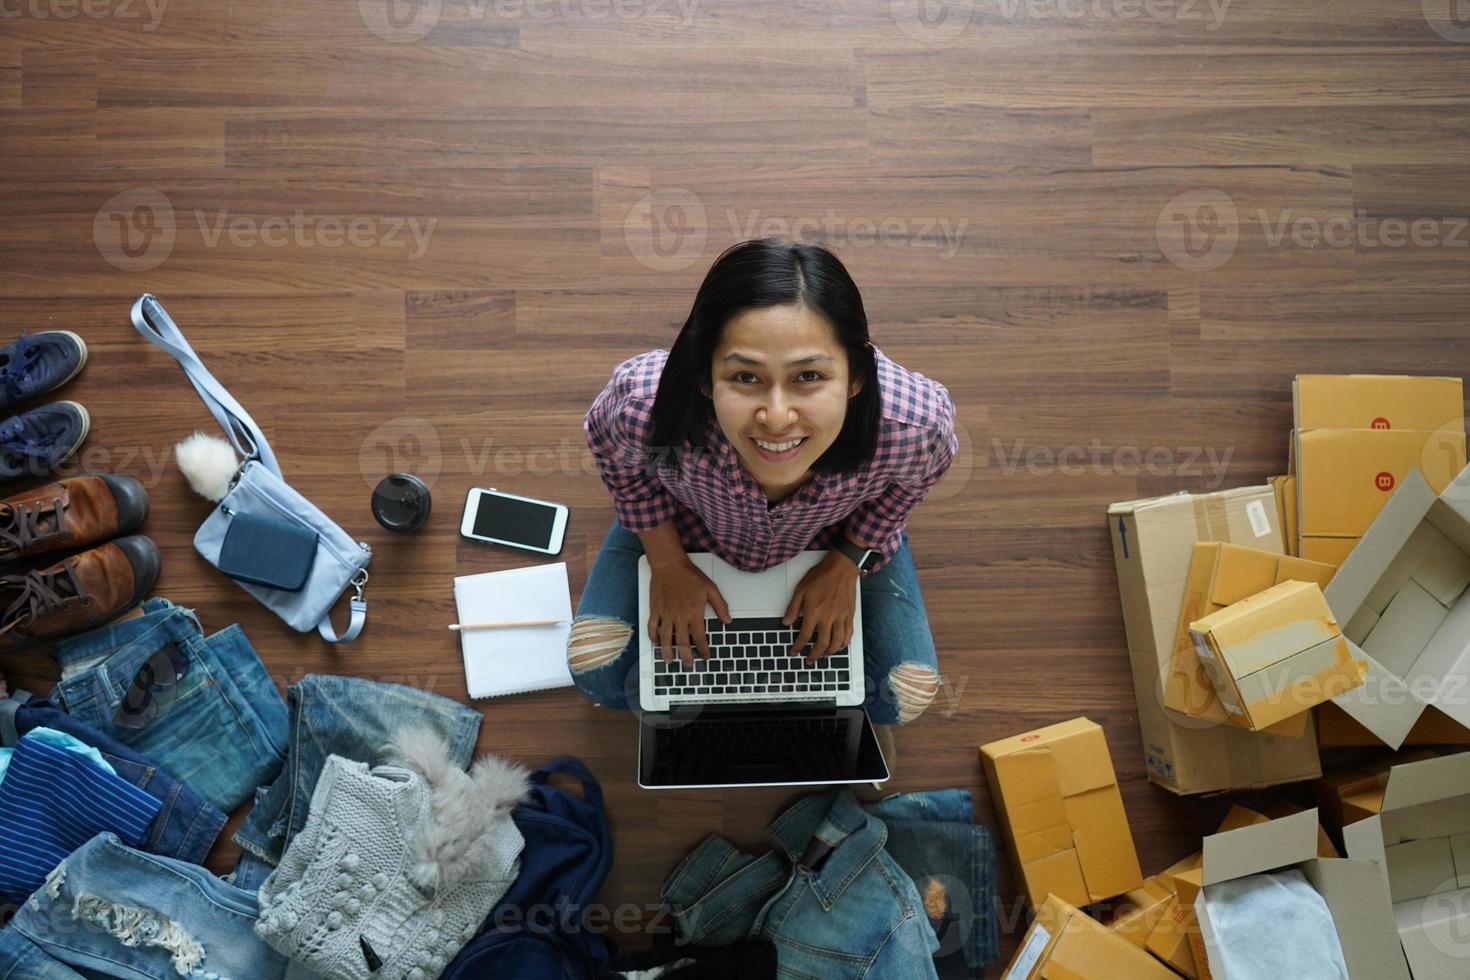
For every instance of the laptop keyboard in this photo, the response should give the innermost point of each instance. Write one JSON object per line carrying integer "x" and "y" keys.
{"x": 748, "y": 657}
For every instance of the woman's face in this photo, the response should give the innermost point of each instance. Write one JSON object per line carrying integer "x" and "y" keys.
{"x": 780, "y": 385}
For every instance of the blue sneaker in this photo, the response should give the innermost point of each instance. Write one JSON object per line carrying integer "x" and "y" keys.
{"x": 36, "y": 442}
{"x": 38, "y": 363}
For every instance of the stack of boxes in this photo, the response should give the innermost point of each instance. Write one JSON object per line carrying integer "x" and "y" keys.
{"x": 1332, "y": 604}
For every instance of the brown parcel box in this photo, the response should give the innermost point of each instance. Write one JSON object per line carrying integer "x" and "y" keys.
{"x": 1062, "y": 814}
{"x": 1066, "y": 944}
{"x": 1355, "y": 793}
{"x": 1152, "y": 543}
{"x": 1345, "y": 476}
{"x": 1336, "y": 729}
{"x": 1402, "y": 597}
{"x": 1377, "y": 401}
{"x": 1220, "y": 574}
{"x": 1354, "y": 891}
{"x": 1275, "y": 654}
{"x": 1418, "y": 841}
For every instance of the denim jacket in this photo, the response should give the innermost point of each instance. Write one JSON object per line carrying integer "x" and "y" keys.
{"x": 836, "y": 904}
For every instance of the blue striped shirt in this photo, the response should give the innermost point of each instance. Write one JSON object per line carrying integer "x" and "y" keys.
{"x": 52, "y": 802}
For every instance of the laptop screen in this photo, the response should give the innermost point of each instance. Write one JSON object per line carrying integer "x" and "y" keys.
{"x": 751, "y": 745}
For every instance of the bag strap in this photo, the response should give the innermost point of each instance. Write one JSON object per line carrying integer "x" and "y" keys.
{"x": 355, "y": 621}
{"x": 152, "y": 321}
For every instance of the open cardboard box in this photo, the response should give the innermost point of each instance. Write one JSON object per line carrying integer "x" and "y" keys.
{"x": 1355, "y": 891}
{"x": 1419, "y": 840}
{"x": 1221, "y": 574}
{"x": 1402, "y": 595}
{"x": 1274, "y": 655}
{"x": 1153, "y": 540}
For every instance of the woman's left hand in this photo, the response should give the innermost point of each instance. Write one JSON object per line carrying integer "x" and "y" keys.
{"x": 825, "y": 601}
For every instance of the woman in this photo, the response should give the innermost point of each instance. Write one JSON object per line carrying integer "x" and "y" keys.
{"x": 773, "y": 426}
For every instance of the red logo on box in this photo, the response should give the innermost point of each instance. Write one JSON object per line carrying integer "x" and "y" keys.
{"x": 1381, "y": 423}
{"x": 1029, "y": 738}
{"x": 1384, "y": 481}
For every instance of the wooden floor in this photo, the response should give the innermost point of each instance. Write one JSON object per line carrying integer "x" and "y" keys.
{"x": 420, "y": 236}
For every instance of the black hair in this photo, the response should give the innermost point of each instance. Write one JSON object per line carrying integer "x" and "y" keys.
{"x": 758, "y": 274}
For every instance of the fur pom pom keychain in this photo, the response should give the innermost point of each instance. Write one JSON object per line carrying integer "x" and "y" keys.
{"x": 209, "y": 464}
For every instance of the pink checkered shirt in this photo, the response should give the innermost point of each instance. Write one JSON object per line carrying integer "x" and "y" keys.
{"x": 719, "y": 508}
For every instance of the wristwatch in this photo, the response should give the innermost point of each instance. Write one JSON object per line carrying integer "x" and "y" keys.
{"x": 863, "y": 558}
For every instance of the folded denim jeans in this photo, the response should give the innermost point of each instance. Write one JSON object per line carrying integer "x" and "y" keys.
{"x": 109, "y": 910}
{"x": 221, "y": 727}
{"x": 186, "y": 825}
{"x": 347, "y": 716}
{"x": 835, "y": 903}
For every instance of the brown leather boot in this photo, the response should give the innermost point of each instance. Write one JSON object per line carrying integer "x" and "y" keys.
{"x": 78, "y": 593}
{"x": 70, "y": 513}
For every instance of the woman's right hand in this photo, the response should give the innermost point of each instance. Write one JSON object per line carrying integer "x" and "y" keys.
{"x": 677, "y": 594}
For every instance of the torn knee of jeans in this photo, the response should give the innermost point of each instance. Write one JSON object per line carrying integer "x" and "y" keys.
{"x": 914, "y": 688}
{"x": 596, "y": 641}
{"x": 55, "y": 879}
{"x": 135, "y": 927}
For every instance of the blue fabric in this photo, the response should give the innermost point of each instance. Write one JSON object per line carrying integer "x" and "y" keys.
{"x": 62, "y": 741}
{"x": 354, "y": 718}
{"x": 895, "y": 625}
{"x": 37, "y": 363}
{"x": 54, "y": 801}
{"x": 221, "y": 729}
{"x": 217, "y": 918}
{"x": 186, "y": 825}
{"x": 951, "y": 859}
{"x": 539, "y": 931}
{"x": 830, "y": 897}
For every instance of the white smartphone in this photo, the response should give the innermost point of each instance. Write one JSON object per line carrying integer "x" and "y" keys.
{"x": 516, "y": 522}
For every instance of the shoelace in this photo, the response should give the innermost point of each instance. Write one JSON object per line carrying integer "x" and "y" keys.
{"x": 13, "y": 374}
{"x": 20, "y": 526}
{"x": 14, "y": 437}
{"x": 41, "y": 592}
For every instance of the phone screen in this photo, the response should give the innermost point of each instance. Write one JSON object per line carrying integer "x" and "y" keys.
{"x": 519, "y": 521}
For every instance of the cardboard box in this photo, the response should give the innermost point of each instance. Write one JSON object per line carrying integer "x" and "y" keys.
{"x": 1345, "y": 477}
{"x": 1141, "y": 909}
{"x": 1273, "y": 655}
{"x": 1336, "y": 728}
{"x": 1062, "y": 814}
{"x": 1354, "y": 439}
{"x": 1153, "y": 540}
{"x": 1354, "y": 793}
{"x": 1377, "y": 401}
{"x": 1418, "y": 841}
{"x": 1285, "y": 490}
{"x": 1066, "y": 944}
{"x": 1221, "y": 574}
{"x": 1403, "y": 593}
{"x": 1355, "y": 891}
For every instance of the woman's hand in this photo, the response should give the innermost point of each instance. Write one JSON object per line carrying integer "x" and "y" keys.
{"x": 824, "y": 601}
{"x": 677, "y": 593}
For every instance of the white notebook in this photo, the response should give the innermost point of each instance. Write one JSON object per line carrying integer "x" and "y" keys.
{"x": 518, "y": 659}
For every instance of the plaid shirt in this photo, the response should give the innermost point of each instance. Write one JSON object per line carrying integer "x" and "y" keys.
{"x": 718, "y": 507}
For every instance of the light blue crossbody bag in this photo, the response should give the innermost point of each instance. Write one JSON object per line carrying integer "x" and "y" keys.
{"x": 259, "y": 497}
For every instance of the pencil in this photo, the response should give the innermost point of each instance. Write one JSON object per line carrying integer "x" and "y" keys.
{"x": 501, "y": 626}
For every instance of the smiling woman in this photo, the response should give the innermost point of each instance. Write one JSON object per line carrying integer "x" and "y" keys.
{"x": 773, "y": 426}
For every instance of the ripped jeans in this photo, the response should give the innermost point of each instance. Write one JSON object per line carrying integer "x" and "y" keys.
{"x": 900, "y": 666}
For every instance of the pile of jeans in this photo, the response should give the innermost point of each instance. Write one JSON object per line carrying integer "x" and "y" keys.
{"x": 141, "y": 775}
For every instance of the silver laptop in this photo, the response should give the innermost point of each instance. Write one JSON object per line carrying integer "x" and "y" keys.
{"x": 751, "y": 715}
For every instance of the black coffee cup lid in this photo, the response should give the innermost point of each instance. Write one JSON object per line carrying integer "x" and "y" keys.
{"x": 401, "y": 502}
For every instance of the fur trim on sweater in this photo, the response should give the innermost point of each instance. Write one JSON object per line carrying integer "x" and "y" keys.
{"x": 455, "y": 844}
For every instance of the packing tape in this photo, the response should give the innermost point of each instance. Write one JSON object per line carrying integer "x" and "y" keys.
{"x": 1211, "y": 521}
